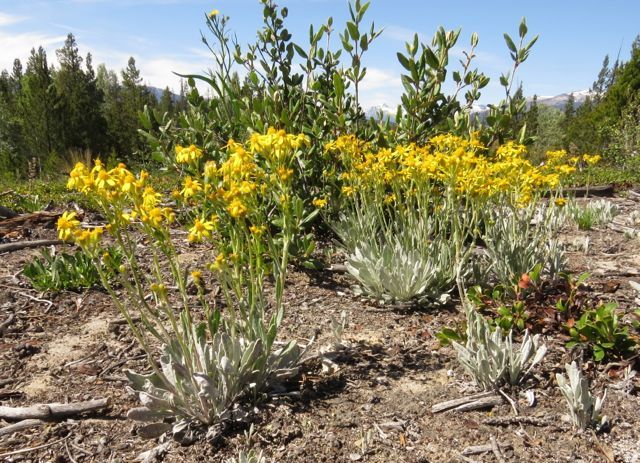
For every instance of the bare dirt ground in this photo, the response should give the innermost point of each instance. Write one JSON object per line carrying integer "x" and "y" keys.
{"x": 376, "y": 407}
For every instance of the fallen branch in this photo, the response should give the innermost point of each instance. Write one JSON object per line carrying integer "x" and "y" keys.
{"x": 33, "y": 298}
{"x": 20, "y": 426}
{"x": 496, "y": 450}
{"x": 5, "y": 324}
{"x": 586, "y": 191}
{"x": 486, "y": 402}
{"x": 509, "y": 420}
{"x": 478, "y": 449}
{"x": 7, "y": 213}
{"x": 449, "y": 404}
{"x": 30, "y": 220}
{"x": 17, "y": 245}
{"x": 31, "y": 449}
{"x": 52, "y": 411}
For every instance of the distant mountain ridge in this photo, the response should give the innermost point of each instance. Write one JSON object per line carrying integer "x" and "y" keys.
{"x": 557, "y": 101}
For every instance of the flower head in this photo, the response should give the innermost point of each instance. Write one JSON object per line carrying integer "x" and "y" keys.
{"x": 67, "y": 224}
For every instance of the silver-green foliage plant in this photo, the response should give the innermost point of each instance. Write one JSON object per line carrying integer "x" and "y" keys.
{"x": 402, "y": 258}
{"x": 584, "y": 407}
{"x": 248, "y": 457}
{"x": 391, "y": 270}
{"x": 592, "y": 214}
{"x": 205, "y": 381}
{"x": 518, "y": 240}
{"x": 491, "y": 358}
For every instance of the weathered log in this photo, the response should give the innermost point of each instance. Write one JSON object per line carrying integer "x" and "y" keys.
{"x": 449, "y": 404}
{"x": 7, "y": 213}
{"x": 17, "y": 245}
{"x": 20, "y": 426}
{"x": 30, "y": 220}
{"x": 602, "y": 191}
{"x": 52, "y": 411}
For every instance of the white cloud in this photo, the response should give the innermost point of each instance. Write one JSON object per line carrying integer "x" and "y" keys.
{"x": 403, "y": 34}
{"x": 380, "y": 86}
{"x": 14, "y": 46}
{"x": 7, "y": 19}
{"x": 377, "y": 78}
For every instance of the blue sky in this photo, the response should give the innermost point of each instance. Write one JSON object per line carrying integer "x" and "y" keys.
{"x": 164, "y": 35}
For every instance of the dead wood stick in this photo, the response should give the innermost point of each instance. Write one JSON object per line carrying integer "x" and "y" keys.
{"x": 7, "y": 213}
{"x": 16, "y": 246}
{"x": 5, "y": 193}
{"x": 33, "y": 298}
{"x": 31, "y": 449}
{"x": 509, "y": 420}
{"x": 52, "y": 411}
{"x": 510, "y": 400}
{"x": 496, "y": 449}
{"x": 485, "y": 402}
{"x": 5, "y": 324}
{"x": 5, "y": 381}
{"x": 449, "y": 404}
{"x": 20, "y": 426}
{"x": 338, "y": 268}
{"x": 478, "y": 449}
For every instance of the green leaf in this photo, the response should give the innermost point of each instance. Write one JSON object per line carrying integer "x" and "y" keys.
{"x": 354, "y": 33}
{"x": 405, "y": 62}
{"x": 510, "y": 44}
{"x": 523, "y": 28}
{"x": 338, "y": 85}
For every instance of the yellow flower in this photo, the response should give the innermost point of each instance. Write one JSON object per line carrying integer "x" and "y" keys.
{"x": 284, "y": 174}
{"x": 160, "y": 290}
{"x": 67, "y": 224}
{"x": 191, "y": 187}
{"x": 348, "y": 190}
{"x": 197, "y": 277}
{"x": 258, "y": 231}
{"x": 88, "y": 239}
{"x": 560, "y": 202}
{"x": 213, "y": 13}
{"x": 189, "y": 154}
{"x": 237, "y": 209}
{"x": 218, "y": 263}
{"x": 591, "y": 160}
{"x": 319, "y": 202}
{"x": 210, "y": 169}
{"x": 201, "y": 229}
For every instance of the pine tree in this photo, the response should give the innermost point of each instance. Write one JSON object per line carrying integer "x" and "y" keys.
{"x": 532, "y": 117}
{"x": 37, "y": 105}
{"x": 134, "y": 98}
{"x": 166, "y": 104}
{"x": 601, "y": 84}
{"x": 79, "y": 100}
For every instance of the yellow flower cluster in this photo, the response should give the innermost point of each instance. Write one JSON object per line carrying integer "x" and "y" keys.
{"x": 127, "y": 197}
{"x": 69, "y": 229}
{"x": 277, "y": 145}
{"x": 239, "y": 188}
{"x": 446, "y": 162}
{"x": 187, "y": 155}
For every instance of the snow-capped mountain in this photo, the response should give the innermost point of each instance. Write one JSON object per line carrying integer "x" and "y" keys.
{"x": 386, "y": 110}
{"x": 557, "y": 101}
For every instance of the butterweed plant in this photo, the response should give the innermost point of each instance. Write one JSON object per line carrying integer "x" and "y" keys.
{"x": 491, "y": 358}
{"x": 518, "y": 239}
{"x": 213, "y": 358}
{"x": 410, "y": 215}
{"x": 248, "y": 457}
{"x": 585, "y": 409}
{"x": 592, "y": 214}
